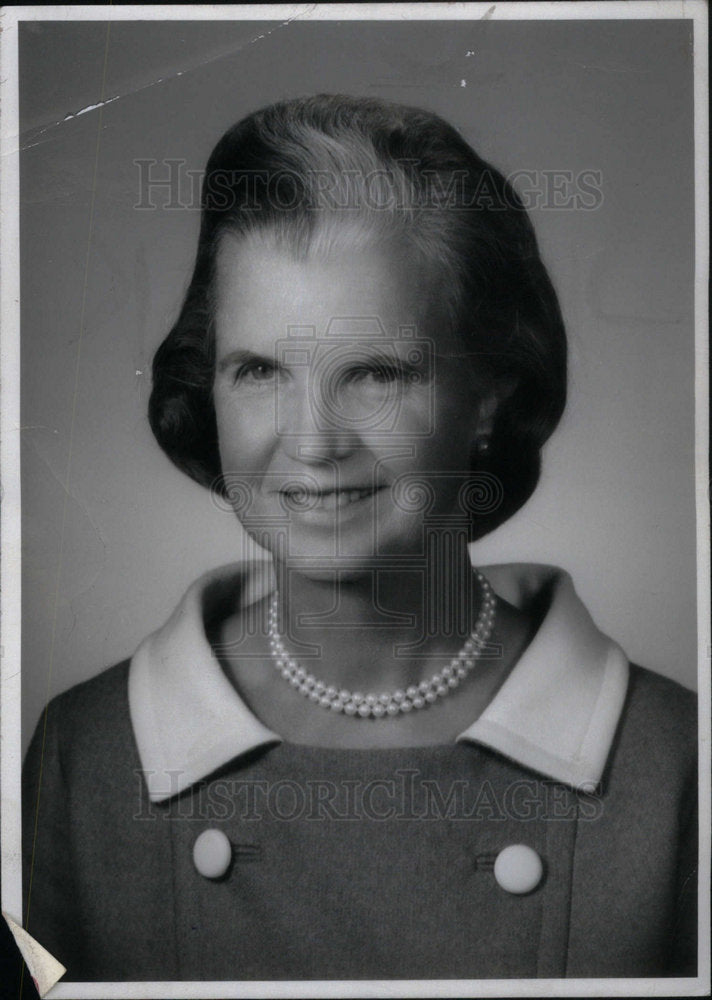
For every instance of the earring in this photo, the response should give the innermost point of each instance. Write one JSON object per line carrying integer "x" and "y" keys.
{"x": 482, "y": 445}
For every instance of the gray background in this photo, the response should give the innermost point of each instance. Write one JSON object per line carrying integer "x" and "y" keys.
{"x": 113, "y": 534}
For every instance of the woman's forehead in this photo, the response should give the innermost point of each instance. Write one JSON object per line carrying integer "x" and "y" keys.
{"x": 264, "y": 290}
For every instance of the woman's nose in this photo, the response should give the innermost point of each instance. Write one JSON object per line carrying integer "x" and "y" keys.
{"x": 314, "y": 426}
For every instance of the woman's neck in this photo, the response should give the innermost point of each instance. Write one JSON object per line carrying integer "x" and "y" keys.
{"x": 330, "y": 627}
{"x": 386, "y": 625}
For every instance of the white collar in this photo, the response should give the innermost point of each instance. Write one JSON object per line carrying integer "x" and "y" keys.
{"x": 556, "y": 713}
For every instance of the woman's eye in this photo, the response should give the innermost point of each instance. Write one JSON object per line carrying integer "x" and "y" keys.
{"x": 379, "y": 374}
{"x": 386, "y": 374}
{"x": 254, "y": 371}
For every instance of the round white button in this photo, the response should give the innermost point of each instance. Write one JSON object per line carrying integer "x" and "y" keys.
{"x": 518, "y": 869}
{"x": 212, "y": 853}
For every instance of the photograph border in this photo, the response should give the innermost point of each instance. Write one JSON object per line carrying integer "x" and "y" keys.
{"x": 10, "y": 538}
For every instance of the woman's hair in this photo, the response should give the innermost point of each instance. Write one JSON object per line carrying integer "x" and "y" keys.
{"x": 329, "y": 170}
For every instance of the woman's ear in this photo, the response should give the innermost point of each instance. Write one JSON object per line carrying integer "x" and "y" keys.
{"x": 486, "y": 413}
{"x": 484, "y": 424}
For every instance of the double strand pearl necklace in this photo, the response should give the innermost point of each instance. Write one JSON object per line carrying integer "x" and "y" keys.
{"x": 387, "y": 704}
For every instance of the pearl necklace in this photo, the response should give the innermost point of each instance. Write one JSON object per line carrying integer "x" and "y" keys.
{"x": 378, "y": 705}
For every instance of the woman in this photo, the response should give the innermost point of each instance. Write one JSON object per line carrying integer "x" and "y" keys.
{"x": 355, "y": 755}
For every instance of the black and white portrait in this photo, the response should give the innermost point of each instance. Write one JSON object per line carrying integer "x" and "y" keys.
{"x": 355, "y": 596}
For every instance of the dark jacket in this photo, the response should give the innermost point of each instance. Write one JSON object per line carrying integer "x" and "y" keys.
{"x": 360, "y": 864}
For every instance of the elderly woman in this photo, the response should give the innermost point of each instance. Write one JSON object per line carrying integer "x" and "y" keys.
{"x": 355, "y": 755}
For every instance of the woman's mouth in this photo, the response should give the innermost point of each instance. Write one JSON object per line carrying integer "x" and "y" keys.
{"x": 303, "y": 499}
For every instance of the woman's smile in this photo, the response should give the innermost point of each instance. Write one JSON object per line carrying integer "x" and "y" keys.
{"x": 305, "y": 501}
{"x": 330, "y": 506}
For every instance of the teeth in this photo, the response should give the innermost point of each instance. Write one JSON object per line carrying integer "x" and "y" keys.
{"x": 336, "y": 499}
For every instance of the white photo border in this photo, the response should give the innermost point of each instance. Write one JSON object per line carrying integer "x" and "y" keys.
{"x": 10, "y": 540}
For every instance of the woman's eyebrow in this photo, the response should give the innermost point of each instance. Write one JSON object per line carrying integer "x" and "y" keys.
{"x": 240, "y": 356}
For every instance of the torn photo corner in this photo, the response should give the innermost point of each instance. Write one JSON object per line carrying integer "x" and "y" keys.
{"x": 45, "y": 970}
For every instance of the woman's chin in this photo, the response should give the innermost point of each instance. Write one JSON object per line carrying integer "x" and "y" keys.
{"x": 318, "y": 558}
{"x": 322, "y": 562}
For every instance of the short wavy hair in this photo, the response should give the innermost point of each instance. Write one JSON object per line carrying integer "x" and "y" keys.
{"x": 313, "y": 170}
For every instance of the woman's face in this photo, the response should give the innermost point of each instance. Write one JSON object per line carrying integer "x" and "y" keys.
{"x": 346, "y": 410}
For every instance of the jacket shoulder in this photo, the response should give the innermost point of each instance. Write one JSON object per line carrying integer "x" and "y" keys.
{"x": 107, "y": 686}
{"x": 89, "y": 721}
{"x": 662, "y": 697}
{"x": 659, "y": 722}
{"x": 98, "y": 701}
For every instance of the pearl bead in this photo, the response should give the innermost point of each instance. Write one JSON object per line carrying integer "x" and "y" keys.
{"x": 377, "y": 706}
